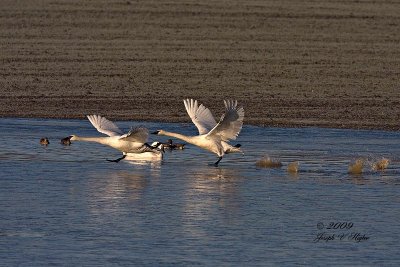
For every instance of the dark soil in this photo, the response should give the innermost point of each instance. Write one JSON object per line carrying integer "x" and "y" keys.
{"x": 290, "y": 63}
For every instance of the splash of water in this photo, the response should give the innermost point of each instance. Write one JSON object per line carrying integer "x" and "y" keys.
{"x": 267, "y": 162}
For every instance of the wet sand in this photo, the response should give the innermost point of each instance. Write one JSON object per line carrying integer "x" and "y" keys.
{"x": 290, "y": 63}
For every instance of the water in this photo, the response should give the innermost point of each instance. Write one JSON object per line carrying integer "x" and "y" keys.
{"x": 69, "y": 206}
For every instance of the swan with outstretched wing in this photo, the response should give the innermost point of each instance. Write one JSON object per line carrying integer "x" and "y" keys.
{"x": 133, "y": 142}
{"x": 213, "y": 136}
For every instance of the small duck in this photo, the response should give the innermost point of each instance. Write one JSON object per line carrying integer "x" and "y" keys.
{"x": 179, "y": 146}
{"x": 66, "y": 141}
{"x": 44, "y": 141}
{"x": 173, "y": 146}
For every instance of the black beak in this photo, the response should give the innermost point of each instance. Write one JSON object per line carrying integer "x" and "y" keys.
{"x": 156, "y": 132}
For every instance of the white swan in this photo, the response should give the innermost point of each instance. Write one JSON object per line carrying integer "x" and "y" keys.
{"x": 212, "y": 136}
{"x": 134, "y": 142}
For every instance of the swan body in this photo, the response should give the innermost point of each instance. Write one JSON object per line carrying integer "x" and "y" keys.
{"x": 134, "y": 142}
{"x": 212, "y": 136}
{"x": 114, "y": 142}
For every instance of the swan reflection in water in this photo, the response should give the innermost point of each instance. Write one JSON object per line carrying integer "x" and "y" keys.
{"x": 113, "y": 191}
{"x": 211, "y": 193}
{"x": 144, "y": 158}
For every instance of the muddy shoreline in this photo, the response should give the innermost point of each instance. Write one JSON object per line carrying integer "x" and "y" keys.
{"x": 289, "y": 63}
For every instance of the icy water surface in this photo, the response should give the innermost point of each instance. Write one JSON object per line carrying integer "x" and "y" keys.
{"x": 69, "y": 206}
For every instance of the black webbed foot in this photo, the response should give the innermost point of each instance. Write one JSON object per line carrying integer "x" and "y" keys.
{"x": 216, "y": 163}
{"x": 213, "y": 164}
{"x": 117, "y": 160}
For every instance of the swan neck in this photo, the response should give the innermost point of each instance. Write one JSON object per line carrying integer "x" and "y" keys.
{"x": 90, "y": 139}
{"x": 178, "y": 136}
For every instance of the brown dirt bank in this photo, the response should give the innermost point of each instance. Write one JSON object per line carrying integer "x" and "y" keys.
{"x": 290, "y": 63}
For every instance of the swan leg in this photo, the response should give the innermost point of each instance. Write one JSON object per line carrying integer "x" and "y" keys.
{"x": 216, "y": 163}
{"x": 118, "y": 159}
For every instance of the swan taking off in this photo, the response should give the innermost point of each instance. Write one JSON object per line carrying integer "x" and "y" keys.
{"x": 134, "y": 142}
{"x": 212, "y": 136}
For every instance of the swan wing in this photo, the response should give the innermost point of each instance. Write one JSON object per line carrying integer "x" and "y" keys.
{"x": 138, "y": 134}
{"x": 231, "y": 122}
{"x": 200, "y": 115}
{"x": 104, "y": 126}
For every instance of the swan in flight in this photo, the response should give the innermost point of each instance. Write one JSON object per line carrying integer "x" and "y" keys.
{"x": 212, "y": 136}
{"x": 134, "y": 142}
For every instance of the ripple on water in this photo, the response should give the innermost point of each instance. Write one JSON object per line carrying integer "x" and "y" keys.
{"x": 68, "y": 205}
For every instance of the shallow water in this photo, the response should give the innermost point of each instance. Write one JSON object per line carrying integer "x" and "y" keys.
{"x": 69, "y": 206}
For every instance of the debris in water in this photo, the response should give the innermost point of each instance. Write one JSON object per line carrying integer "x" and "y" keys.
{"x": 267, "y": 162}
{"x": 293, "y": 167}
{"x": 357, "y": 167}
{"x": 380, "y": 165}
